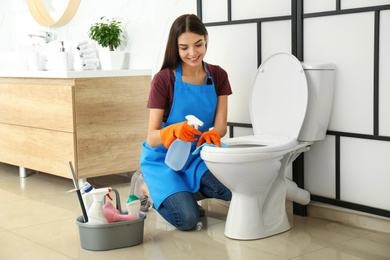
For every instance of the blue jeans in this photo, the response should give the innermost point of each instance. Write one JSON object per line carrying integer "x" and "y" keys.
{"x": 182, "y": 210}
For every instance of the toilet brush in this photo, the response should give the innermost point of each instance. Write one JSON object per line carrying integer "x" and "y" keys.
{"x": 76, "y": 185}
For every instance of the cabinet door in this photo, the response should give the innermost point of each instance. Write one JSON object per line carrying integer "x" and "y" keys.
{"x": 111, "y": 124}
{"x": 38, "y": 149}
{"x": 39, "y": 104}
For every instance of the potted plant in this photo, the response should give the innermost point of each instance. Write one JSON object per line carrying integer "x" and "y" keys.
{"x": 108, "y": 33}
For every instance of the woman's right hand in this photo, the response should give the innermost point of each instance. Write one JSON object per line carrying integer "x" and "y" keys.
{"x": 210, "y": 137}
{"x": 182, "y": 131}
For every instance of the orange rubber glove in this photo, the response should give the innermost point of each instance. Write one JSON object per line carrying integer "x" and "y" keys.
{"x": 209, "y": 137}
{"x": 182, "y": 131}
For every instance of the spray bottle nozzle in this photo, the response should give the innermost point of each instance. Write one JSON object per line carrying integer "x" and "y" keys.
{"x": 98, "y": 194}
{"x": 108, "y": 194}
{"x": 194, "y": 121}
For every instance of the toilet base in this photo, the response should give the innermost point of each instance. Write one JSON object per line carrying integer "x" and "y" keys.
{"x": 247, "y": 221}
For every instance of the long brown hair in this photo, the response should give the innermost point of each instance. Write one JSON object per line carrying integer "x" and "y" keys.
{"x": 184, "y": 23}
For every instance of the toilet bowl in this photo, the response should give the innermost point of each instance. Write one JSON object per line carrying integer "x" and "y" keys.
{"x": 287, "y": 116}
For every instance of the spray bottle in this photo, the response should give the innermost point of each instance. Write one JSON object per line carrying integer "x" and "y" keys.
{"x": 95, "y": 212}
{"x": 179, "y": 150}
{"x": 87, "y": 197}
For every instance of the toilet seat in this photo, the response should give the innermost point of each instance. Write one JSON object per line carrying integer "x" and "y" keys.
{"x": 258, "y": 144}
{"x": 249, "y": 148}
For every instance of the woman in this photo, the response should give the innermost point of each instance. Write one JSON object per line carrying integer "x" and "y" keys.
{"x": 184, "y": 86}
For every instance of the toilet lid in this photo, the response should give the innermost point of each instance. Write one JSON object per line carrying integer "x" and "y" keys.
{"x": 278, "y": 97}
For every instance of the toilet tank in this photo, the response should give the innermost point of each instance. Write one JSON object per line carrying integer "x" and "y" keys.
{"x": 320, "y": 83}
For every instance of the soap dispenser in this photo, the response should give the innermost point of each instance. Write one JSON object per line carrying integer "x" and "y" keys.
{"x": 63, "y": 58}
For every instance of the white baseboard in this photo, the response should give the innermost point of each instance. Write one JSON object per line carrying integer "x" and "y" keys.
{"x": 348, "y": 217}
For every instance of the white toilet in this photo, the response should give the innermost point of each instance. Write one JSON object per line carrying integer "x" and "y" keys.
{"x": 290, "y": 106}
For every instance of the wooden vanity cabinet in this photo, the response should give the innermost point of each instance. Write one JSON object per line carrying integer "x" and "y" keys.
{"x": 99, "y": 124}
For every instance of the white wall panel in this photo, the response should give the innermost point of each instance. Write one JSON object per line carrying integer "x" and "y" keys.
{"x": 250, "y": 9}
{"x": 6, "y": 18}
{"x": 238, "y": 131}
{"x": 362, "y": 3}
{"x": 384, "y": 75}
{"x": 234, "y": 48}
{"x": 347, "y": 41}
{"x": 313, "y": 6}
{"x": 275, "y": 37}
{"x": 214, "y": 11}
{"x": 320, "y": 169}
{"x": 364, "y": 173}
{"x": 242, "y": 131}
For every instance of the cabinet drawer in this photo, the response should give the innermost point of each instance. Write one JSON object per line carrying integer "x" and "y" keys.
{"x": 38, "y": 149}
{"x": 36, "y": 105}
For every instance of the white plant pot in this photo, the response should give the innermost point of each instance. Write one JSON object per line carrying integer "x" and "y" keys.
{"x": 112, "y": 60}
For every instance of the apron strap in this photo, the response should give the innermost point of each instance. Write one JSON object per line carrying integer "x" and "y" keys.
{"x": 178, "y": 73}
{"x": 209, "y": 80}
{"x": 178, "y": 76}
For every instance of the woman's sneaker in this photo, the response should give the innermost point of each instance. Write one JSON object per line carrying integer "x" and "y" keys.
{"x": 137, "y": 180}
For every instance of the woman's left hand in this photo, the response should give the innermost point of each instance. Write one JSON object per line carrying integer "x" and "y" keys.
{"x": 210, "y": 137}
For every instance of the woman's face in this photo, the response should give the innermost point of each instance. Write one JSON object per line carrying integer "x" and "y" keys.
{"x": 192, "y": 48}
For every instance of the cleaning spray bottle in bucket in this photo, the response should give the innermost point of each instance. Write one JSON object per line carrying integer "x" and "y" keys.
{"x": 133, "y": 205}
{"x": 179, "y": 150}
{"x": 95, "y": 212}
{"x": 87, "y": 197}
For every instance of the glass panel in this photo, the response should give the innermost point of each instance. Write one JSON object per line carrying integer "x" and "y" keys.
{"x": 250, "y": 9}
{"x": 362, "y": 3}
{"x": 384, "y": 75}
{"x": 276, "y": 37}
{"x": 348, "y": 42}
{"x": 242, "y": 131}
{"x": 214, "y": 11}
{"x": 314, "y": 6}
{"x": 364, "y": 173}
{"x": 320, "y": 169}
{"x": 234, "y": 48}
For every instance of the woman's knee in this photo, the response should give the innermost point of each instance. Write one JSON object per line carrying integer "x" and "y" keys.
{"x": 187, "y": 221}
{"x": 181, "y": 210}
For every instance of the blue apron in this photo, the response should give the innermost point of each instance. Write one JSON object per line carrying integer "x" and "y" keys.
{"x": 188, "y": 99}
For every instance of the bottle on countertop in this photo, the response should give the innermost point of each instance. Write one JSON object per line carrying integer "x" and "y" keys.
{"x": 63, "y": 58}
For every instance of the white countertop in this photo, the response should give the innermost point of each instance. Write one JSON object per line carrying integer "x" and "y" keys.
{"x": 75, "y": 74}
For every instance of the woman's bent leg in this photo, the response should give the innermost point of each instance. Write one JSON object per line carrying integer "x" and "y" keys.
{"x": 181, "y": 210}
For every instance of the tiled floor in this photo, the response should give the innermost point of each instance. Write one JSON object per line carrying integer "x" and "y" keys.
{"x": 38, "y": 221}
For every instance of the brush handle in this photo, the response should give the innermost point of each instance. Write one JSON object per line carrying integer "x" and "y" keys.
{"x": 82, "y": 206}
{"x": 76, "y": 185}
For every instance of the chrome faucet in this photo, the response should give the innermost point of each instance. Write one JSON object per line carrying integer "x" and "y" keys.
{"x": 48, "y": 36}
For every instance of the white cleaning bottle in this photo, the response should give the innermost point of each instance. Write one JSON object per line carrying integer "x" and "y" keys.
{"x": 179, "y": 150}
{"x": 95, "y": 212}
{"x": 87, "y": 197}
{"x": 133, "y": 205}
